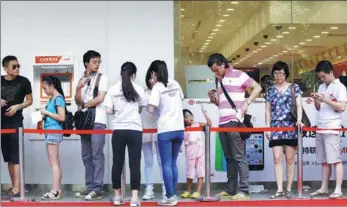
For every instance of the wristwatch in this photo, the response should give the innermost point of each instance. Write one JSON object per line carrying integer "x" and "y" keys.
{"x": 248, "y": 102}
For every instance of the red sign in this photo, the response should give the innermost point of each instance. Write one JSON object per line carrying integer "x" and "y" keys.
{"x": 47, "y": 59}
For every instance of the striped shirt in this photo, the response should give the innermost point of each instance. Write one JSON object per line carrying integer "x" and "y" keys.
{"x": 235, "y": 83}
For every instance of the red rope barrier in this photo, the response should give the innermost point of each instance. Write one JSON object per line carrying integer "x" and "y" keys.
{"x": 8, "y": 131}
{"x": 190, "y": 129}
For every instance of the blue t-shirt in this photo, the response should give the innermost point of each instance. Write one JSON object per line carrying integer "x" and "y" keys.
{"x": 51, "y": 106}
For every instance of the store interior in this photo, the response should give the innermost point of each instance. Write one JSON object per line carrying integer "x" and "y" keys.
{"x": 253, "y": 35}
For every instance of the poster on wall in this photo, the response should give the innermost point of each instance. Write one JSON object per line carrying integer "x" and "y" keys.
{"x": 259, "y": 155}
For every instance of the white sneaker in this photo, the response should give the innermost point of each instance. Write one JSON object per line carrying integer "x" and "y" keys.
{"x": 117, "y": 201}
{"x": 149, "y": 194}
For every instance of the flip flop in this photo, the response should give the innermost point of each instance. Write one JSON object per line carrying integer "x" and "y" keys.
{"x": 336, "y": 196}
{"x": 318, "y": 193}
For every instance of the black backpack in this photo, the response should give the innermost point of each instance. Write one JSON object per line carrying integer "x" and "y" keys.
{"x": 69, "y": 120}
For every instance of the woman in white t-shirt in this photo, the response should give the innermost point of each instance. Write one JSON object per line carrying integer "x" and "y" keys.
{"x": 167, "y": 97}
{"x": 124, "y": 102}
{"x": 149, "y": 141}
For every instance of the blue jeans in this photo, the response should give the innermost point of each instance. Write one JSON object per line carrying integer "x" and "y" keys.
{"x": 169, "y": 147}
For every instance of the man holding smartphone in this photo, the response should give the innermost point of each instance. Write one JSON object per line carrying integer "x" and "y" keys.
{"x": 330, "y": 101}
{"x": 235, "y": 84}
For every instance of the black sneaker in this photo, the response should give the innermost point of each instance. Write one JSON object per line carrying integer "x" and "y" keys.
{"x": 94, "y": 195}
{"x": 11, "y": 195}
{"x": 83, "y": 194}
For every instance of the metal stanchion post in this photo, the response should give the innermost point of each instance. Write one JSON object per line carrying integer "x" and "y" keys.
{"x": 300, "y": 163}
{"x": 207, "y": 197}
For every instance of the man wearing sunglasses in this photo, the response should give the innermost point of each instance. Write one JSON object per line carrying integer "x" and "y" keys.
{"x": 16, "y": 95}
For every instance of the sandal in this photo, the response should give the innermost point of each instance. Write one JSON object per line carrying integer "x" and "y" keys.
{"x": 277, "y": 195}
{"x": 318, "y": 193}
{"x": 224, "y": 194}
{"x": 336, "y": 196}
{"x": 52, "y": 195}
{"x": 289, "y": 195}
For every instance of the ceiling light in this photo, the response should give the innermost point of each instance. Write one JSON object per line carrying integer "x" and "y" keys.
{"x": 222, "y": 20}
{"x": 230, "y": 9}
{"x": 212, "y": 33}
{"x": 334, "y": 28}
{"x": 236, "y": 63}
{"x": 182, "y": 15}
{"x": 295, "y": 46}
{"x": 210, "y": 37}
{"x": 182, "y": 9}
{"x": 204, "y": 46}
{"x": 260, "y": 63}
{"x": 263, "y": 46}
{"x": 316, "y": 36}
{"x": 285, "y": 32}
{"x": 302, "y": 43}
{"x": 218, "y": 25}
{"x": 284, "y": 51}
{"x": 273, "y": 40}
{"x": 255, "y": 51}
{"x": 324, "y": 32}
{"x": 292, "y": 28}
{"x": 206, "y": 43}
{"x": 234, "y": 2}
{"x": 226, "y": 15}
{"x": 268, "y": 43}
{"x": 259, "y": 49}
{"x": 208, "y": 40}
{"x": 216, "y": 30}
{"x": 191, "y": 40}
{"x": 279, "y": 36}
{"x": 201, "y": 51}
{"x": 339, "y": 56}
{"x": 275, "y": 55}
{"x": 308, "y": 40}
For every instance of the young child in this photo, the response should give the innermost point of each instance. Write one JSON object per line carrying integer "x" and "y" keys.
{"x": 195, "y": 152}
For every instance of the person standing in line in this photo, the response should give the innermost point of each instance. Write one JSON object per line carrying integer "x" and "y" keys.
{"x": 330, "y": 101}
{"x": 166, "y": 97}
{"x": 194, "y": 145}
{"x": 54, "y": 116}
{"x": 90, "y": 96}
{"x": 149, "y": 141}
{"x": 278, "y": 114}
{"x": 124, "y": 101}
{"x": 14, "y": 90}
{"x": 235, "y": 82}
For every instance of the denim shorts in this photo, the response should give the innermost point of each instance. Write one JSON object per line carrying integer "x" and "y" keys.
{"x": 53, "y": 138}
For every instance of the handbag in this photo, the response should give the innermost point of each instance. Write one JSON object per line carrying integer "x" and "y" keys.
{"x": 305, "y": 120}
{"x": 84, "y": 120}
{"x": 247, "y": 121}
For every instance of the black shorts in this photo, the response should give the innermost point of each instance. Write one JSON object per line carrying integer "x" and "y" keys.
{"x": 10, "y": 145}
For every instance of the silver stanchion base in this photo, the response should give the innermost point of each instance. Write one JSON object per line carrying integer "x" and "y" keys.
{"x": 25, "y": 199}
{"x": 303, "y": 197}
{"x": 208, "y": 199}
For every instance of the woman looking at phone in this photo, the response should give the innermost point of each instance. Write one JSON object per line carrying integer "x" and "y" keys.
{"x": 278, "y": 114}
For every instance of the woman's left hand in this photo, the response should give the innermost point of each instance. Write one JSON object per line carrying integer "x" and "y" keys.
{"x": 300, "y": 124}
{"x": 43, "y": 111}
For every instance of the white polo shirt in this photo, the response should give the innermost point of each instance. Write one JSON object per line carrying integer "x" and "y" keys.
{"x": 126, "y": 114}
{"x": 169, "y": 102}
{"x": 87, "y": 93}
{"x": 327, "y": 116}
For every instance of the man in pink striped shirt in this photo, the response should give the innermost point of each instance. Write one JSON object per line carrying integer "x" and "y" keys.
{"x": 235, "y": 83}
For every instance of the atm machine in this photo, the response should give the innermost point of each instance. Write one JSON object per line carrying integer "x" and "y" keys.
{"x": 62, "y": 67}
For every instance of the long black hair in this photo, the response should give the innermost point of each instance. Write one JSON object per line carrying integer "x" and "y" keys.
{"x": 148, "y": 77}
{"x": 51, "y": 80}
{"x": 129, "y": 92}
{"x": 160, "y": 68}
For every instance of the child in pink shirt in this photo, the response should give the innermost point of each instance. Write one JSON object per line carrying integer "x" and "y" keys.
{"x": 194, "y": 145}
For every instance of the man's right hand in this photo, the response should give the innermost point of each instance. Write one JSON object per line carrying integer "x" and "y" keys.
{"x": 81, "y": 83}
{"x": 212, "y": 95}
{"x": 3, "y": 103}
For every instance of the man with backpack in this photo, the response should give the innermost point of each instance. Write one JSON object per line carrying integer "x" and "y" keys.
{"x": 90, "y": 93}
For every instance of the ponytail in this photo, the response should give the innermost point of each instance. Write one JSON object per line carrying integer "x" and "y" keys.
{"x": 57, "y": 86}
{"x": 129, "y": 92}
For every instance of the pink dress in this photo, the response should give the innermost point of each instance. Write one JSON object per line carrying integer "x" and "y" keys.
{"x": 194, "y": 144}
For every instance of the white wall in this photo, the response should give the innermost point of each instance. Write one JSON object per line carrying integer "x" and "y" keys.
{"x": 121, "y": 31}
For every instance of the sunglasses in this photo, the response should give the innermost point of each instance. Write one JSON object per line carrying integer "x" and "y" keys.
{"x": 15, "y": 66}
